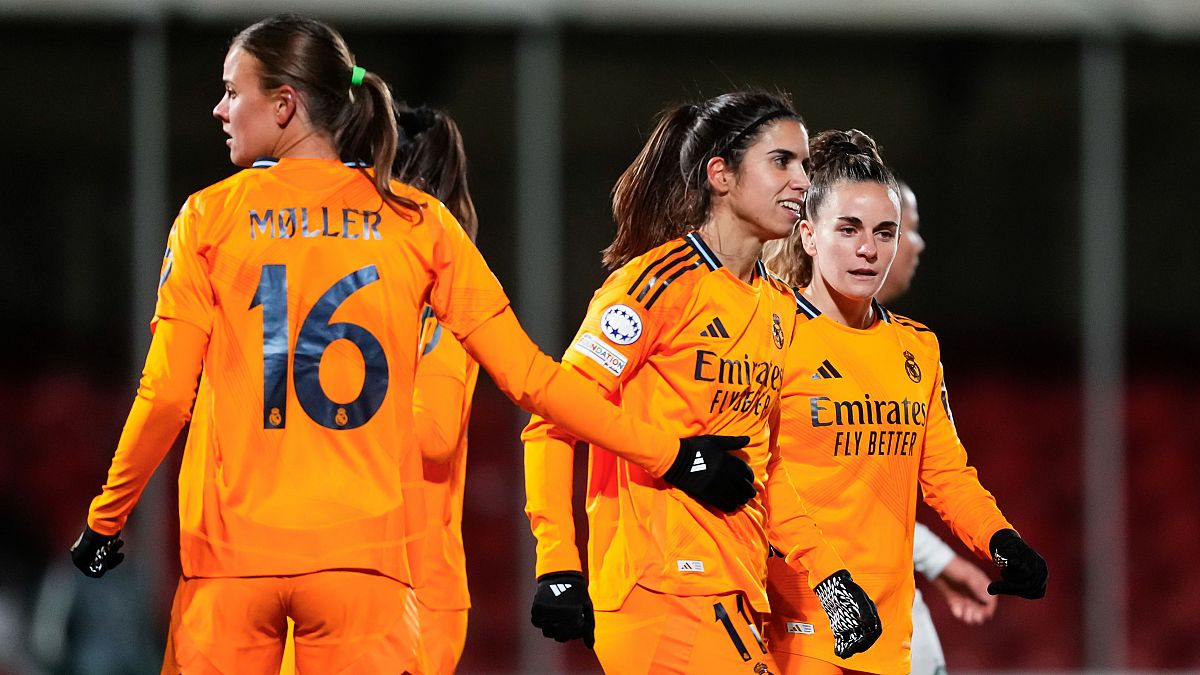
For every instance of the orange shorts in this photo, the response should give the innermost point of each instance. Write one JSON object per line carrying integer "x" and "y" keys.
{"x": 346, "y": 622}
{"x": 443, "y": 635}
{"x": 658, "y": 633}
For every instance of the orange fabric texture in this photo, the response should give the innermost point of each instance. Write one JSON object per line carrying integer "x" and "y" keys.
{"x": 695, "y": 635}
{"x": 798, "y": 664}
{"x": 445, "y": 382}
{"x": 303, "y": 294}
{"x": 443, "y": 636}
{"x": 865, "y": 420}
{"x": 676, "y": 338}
{"x": 345, "y": 622}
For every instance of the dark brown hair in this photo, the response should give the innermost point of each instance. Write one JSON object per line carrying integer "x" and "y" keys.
{"x": 431, "y": 157}
{"x": 836, "y": 156}
{"x": 313, "y": 58}
{"x": 665, "y": 191}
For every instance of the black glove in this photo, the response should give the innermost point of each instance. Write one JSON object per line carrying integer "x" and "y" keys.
{"x": 1022, "y": 571}
{"x": 94, "y": 553}
{"x": 852, "y": 614}
{"x": 562, "y": 608}
{"x": 709, "y": 474}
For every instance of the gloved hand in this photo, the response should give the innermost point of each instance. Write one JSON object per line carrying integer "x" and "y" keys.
{"x": 852, "y": 614}
{"x": 562, "y": 608}
{"x": 94, "y": 553}
{"x": 1022, "y": 571}
{"x": 706, "y": 471}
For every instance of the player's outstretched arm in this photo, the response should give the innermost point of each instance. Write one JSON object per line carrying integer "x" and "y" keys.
{"x": 538, "y": 384}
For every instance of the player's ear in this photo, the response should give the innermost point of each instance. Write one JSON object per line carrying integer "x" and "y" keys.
{"x": 286, "y": 101}
{"x": 720, "y": 175}
{"x": 806, "y": 237}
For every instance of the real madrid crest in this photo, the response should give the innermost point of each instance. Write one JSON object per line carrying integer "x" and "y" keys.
{"x": 777, "y": 331}
{"x": 911, "y": 368}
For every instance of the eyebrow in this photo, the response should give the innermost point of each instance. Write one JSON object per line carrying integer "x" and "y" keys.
{"x": 784, "y": 152}
{"x": 856, "y": 221}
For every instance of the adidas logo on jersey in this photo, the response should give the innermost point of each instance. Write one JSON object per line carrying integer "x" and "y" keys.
{"x": 559, "y": 589}
{"x": 698, "y": 464}
{"x": 799, "y": 628}
{"x": 715, "y": 329}
{"x": 826, "y": 371}
{"x": 690, "y": 565}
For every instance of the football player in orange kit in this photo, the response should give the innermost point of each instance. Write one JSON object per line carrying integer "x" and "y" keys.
{"x": 866, "y": 420}
{"x": 431, "y": 157}
{"x": 289, "y": 314}
{"x": 690, "y": 329}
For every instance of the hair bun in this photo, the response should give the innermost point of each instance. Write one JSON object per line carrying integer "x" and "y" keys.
{"x": 845, "y": 148}
{"x": 415, "y": 121}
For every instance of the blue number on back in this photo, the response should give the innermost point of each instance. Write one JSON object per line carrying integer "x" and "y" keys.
{"x": 272, "y": 295}
{"x": 316, "y": 334}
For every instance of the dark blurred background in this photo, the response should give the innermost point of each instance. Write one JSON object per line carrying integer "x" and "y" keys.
{"x": 1051, "y": 145}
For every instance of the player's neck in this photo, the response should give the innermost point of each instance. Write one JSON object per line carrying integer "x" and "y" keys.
{"x": 738, "y": 250}
{"x": 853, "y": 312}
{"x": 304, "y": 142}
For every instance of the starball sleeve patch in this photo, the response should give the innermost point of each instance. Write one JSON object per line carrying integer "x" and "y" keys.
{"x": 621, "y": 325}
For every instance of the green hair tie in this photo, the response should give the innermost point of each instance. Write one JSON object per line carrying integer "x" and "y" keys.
{"x": 356, "y": 76}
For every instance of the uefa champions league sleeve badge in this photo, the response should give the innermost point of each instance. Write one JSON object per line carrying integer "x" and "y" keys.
{"x": 621, "y": 325}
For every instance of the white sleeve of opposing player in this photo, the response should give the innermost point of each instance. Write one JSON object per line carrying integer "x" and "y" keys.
{"x": 930, "y": 554}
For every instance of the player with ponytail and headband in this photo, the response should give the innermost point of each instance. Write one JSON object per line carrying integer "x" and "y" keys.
{"x": 866, "y": 420}
{"x": 286, "y": 329}
{"x": 691, "y": 330}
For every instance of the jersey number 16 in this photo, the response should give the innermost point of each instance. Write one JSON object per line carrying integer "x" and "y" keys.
{"x": 316, "y": 334}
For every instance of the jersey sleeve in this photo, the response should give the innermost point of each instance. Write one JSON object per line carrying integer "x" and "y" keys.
{"x": 163, "y": 404}
{"x": 464, "y": 293}
{"x": 439, "y": 394}
{"x": 951, "y": 486}
{"x": 617, "y": 335}
{"x": 184, "y": 290}
{"x": 536, "y": 383}
{"x": 549, "y": 489}
{"x": 790, "y": 528}
{"x": 611, "y": 344}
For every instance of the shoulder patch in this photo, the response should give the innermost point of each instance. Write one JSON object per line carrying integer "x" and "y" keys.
{"x": 621, "y": 324}
{"x": 595, "y": 349}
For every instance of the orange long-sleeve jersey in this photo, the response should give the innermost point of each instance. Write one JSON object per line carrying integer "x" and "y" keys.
{"x": 445, "y": 381}
{"x": 293, "y": 293}
{"x": 865, "y": 419}
{"x": 677, "y": 338}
